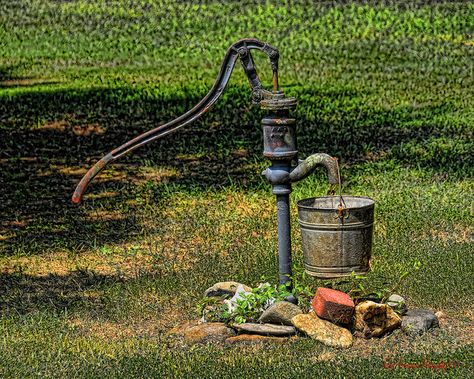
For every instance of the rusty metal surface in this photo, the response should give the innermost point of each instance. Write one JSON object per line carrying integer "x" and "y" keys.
{"x": 239, "y": 49}
{"x": 310, "y": 164}
{"x": 278, "y": 102}
{"x": 279, "y": 129}
{"x": 335, "y": 246}
{"x": 93, "y": 171}
{"x": 279, "y": 138}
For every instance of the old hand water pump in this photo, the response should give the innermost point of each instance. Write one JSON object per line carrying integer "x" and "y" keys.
{"x": 279, "y": 139}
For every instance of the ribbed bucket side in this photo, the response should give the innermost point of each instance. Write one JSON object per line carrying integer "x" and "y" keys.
{"x": 334, "y": 246}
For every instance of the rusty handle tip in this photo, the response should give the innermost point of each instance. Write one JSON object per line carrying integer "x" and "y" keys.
{"x": 76, "y": 197}
{"x": 86, "y": 179}
{"x": 81, "y": 187}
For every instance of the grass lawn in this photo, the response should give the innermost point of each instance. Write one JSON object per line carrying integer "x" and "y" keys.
{"x": 91, "y": 290}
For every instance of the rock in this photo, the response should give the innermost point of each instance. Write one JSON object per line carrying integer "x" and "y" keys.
{"x": 333, "y": 305}
{"x": 322, "y": 330}
{"x": 265, "y": 329}
{"x": 179, "y": 330}
{"x": 374, "y": 320}
{"x": 225, "y": 288}
{"x": 208, "y": 332}
{"x": 280, "y": 313}
{"x": 418, "y": 321}
{"x": 255, "y": 338}
{"x": 397, "y": 303}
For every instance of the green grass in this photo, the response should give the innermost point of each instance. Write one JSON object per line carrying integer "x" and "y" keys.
{"x": 59, "y": 353}
{"x": 90, "y": 291}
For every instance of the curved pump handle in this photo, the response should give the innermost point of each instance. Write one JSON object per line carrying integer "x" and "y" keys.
{"x": 239, "y": 49}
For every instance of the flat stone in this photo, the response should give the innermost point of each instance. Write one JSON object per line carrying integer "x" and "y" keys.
{"x": 179, "y": 330}
{"x": 322, "y": 330}
{"x": 397, "y": 303}
{"x": 333, "y": 305}
{"x": 225, "y": 288}
{"x": 265, "y": 329}
{"x": 280, "y": 313}
{"x": 418, "y": 321}
{"x": 374, "y": 319}
{"x": 208, "y": 332}
{"x": 256, "y": 338}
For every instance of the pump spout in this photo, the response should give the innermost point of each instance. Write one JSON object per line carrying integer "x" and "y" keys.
{"x": 309, "y": 165}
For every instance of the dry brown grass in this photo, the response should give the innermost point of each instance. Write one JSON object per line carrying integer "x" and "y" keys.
{"x": 460, "y": 234}
{"x": 118, "y": 261}
{"x": 24, "y": 82}
{"x": 58, "y": 125}
{"x": 88, "y": 129}
{"x": 142, "y": 325}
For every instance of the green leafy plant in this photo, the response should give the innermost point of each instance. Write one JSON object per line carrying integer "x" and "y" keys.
{"x": 301, "y": 291}
{"x": 415, "y": 267}
{"x": 213, "y": 309}
{"x": 357, "y": 286}
{"x": 249, "y": 306}
{"x": 354, "y": 285}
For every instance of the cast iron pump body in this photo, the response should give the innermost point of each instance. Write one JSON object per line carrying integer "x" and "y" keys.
{"x": 279, "y": 136}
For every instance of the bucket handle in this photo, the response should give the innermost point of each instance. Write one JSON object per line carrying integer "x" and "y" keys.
{"x": 341, "y": 211}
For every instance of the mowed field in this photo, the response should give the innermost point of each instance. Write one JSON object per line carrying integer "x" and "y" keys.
{"x": 91, "y": 290}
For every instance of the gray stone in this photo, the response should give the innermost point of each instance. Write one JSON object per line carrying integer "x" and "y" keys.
{"x": 265, "y": 329}
{"x": 225, "y": 288}
{"x": 280, "y": 313}
{"x": 397, "y": 303}
{"x": 418, "y": 321}
{"x": 322, "y": 330}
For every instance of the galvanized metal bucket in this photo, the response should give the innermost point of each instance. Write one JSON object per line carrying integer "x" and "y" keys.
{"x": 336, "y": 242}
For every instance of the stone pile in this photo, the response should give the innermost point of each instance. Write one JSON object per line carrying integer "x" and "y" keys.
{"x": 333, "y": 319}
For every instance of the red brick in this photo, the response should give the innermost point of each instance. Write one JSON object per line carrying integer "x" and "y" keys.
{"x": 333, "y": 305}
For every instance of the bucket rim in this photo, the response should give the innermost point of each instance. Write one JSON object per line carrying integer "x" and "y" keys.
{"x": 301, "y": 206}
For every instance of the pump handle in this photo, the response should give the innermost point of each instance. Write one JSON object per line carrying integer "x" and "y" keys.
{"x": 239, "y": 49}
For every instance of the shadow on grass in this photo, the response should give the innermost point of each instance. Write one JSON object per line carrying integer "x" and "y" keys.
{"x": 6, "y": 73}
{"x": 49, "y": 139}
{"x": 133, "y": 287}
{"x": 22, "y": 294}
